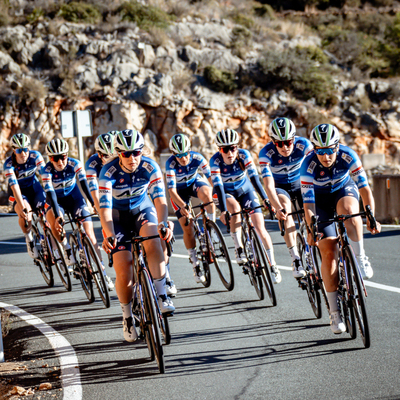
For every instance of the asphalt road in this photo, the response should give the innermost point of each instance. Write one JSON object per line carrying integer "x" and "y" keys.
{"x": 225, "y": 345}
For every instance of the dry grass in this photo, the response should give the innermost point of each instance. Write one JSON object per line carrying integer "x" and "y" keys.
{"x": 6, "y": 322}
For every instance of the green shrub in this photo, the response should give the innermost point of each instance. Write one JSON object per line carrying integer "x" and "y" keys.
{"x": 35, "y": 15}
{"x": 144, "y": 16}
{"x": 4, "y": 17}
{"x": 242, "y": 19}
{"x": 264, "y": 11}
{"x": 79, "y": 12}
{"x": 240, "y": 41}
{"x": 220, "y": 81}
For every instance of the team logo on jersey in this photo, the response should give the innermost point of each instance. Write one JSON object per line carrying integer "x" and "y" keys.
{"x": 110, "y": 171}
{"x": 300, "y": 146}
{"x": 270, "y": 153}
{"x": 121, "y": 247}
{"x": 179, "y": 170}
{"x": 217, "y": 161}
{"x": 93, "y": 164}
{"x": 121, "y": 180}
{"x": 322, "y": 173}
{"x": 280, "y": 161}
{"x": 347, "y": 158}
{"x": 225, "y": 170}
{"x": 148, "y": 167}
{"x": 173, "y": 163}
{"x": 311, "y": 167}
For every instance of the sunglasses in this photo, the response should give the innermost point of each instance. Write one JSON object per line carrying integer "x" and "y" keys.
{"x": 22, "y": 150}
{"x": 326, "y": 150}
{"x": 280, "y": 143}
{"x": 227, "y": 149}
{"x": 58, "y": 157}
{"x": 182, "y": 155}
{"x": 134, "y": 153}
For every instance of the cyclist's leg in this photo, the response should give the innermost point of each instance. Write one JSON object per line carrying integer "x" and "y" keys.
{"x": 233, "y": 206}
{"x": 52, "y": 220}
{"x": 26, "y": 230}
{"x": 349, "y": 204}
{"x": 204, "y": 193}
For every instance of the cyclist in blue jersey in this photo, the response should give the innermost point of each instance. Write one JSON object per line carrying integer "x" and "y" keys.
{"x": 126, "y": 210}
{"x": 25, "y": 191}
{"x": 327, "y": 186}
{"x": 104, "y": 145}
{"x": 184, "y": 182}
{"x": 233, "y": 189}
{"x": 280, "y": 162}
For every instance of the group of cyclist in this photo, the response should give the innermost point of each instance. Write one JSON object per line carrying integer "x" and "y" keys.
{"x": 127, "y": 189}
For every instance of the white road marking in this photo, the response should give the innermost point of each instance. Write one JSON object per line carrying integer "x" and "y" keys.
{"x": 367, "y": 283}
{"x": 14, "y": 243}
{"x": 70, "y": 375}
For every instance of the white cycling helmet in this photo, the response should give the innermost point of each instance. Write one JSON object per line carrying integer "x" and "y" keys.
{"x": 104, "y": 143}
{"x": 282, "y": 129}
{"x": 56, "y": 147}
{"x": 20, "y": 140}
{"x": 226, "y": 137}
{"x": 325, "y": 135}
{"x": 179, "y": 144}
{"x": 128, "y": 140}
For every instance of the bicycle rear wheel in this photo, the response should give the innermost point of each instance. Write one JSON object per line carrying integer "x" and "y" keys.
{"x": 96, "y": 270}
{"x": 220, "y": 255}
{"x": 357, "y": 296}
{"x": 263, "y": 265}
{"x": 205, "y": 267}
{"x": 44, "y": 260}
{"x": 152, "y": 322}
{"x": 59, "y": 260}
{"x": 81, "y": 271}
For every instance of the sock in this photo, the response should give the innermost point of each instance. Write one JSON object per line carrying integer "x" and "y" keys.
{"x": 29, "y": 236}
{"x": 65, "y": 244}
{"x": 126, "y": 309}
{"x": 294, "y": 253}
{"x": 193, "y": 256}
{"x": 237, "y": 238}
{"x": 332, "y": 300}
{"x": 212, "y": 216}
{"x": 167, "y": 276}
{"x": 358, "y": 247}
{"x": 271, "y": 256}
{"x": 160, "y": 286}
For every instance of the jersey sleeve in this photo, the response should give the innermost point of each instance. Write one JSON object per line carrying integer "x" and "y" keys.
{"x": 79, "y": 170}
{"x": 47, "y": 178}
{"x": 265, "y": 163}
{"x": 156, "y": 185}
{"x": 39, "y": 161}
{"x": 91, "y": 175}
{"x": 204, "y": 167}
{"x": 248, "y": 163}
{"x": 307, "y": 180}
{"x": 215, "y": 172}
{"x": 106, "y": 181}
{"x": 10, "y": 174}
{"x": 357, "y": 171}
{"x": 170, "y": 174}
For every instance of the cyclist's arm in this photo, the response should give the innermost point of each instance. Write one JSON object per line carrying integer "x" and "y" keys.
{"x": 81, "y": 175}
{"x": 178, "y": 201}
{"x": 161, "y": 206}
{"x": 91, "y": 177}
{"x": 269, "y": 184}
{"x": 51, "y": 196}
{"x": 368, "y": 199}
{"x": 12, "y": 181}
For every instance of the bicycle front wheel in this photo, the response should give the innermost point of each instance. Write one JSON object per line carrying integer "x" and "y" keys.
{"x": 81, "y": 271}
{"x": 152, "y": 322}
{"x": 263, "y": 266}
{"x": 317, "y": 260}
{"x": 44, "y": 260}
{"x": 59, "y": 260}
{"x": 356, "y": 290}
{"x": 96, "y": 270}
{"x": 220, "y": 255}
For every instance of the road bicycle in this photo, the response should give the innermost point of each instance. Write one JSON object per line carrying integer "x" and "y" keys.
{"x": 50, "y": 251}
{"x": 211, "y": 247}
{"x": 88, "y": 267}
{"x": 351, "y": 292}
{"x": 258, "y": 265}
{"x": 152, "y": 323}
{"x": 312, "y": 281}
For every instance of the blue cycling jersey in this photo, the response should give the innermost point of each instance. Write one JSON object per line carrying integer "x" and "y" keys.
{"x": 125, "y": 191}
{"x": 24, "y": 174}
{"x": 284, "y": 170}
{"x": 62, "y": 182}
{"x": 181, "y": 177}
{"x": 93, "y": 167}
{"x": 315, "y": 178}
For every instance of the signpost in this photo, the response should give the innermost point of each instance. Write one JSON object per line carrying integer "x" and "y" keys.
{"x": 77, "y": 124}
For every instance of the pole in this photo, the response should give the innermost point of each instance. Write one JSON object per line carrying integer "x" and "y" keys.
{"x": 1, "y": 343}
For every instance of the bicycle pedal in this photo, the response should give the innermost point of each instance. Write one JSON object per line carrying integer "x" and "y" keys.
{"x": 245, "y": 270}
{"x": 168, "y": 314}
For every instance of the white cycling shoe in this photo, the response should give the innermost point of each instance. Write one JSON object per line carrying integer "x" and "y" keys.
{"x": 298, "y": 270}
{"x": 276, "y": 274}
{"x": 240, "y": 256}
{"x": 165, "y": 303}
{"x": 170, "y": 288}
{"x": 198, "y": 275}
{"x": 130, "y": 334}
{"x": 109, "y": 282}
{"x": 337, "y": 324}
{"x": 32, "y": 249}
{"x": 365, "y": 267}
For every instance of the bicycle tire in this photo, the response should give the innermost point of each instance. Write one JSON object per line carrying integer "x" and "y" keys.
{"x": 316, "y": 258}
{"x": 81, "y": 272}
{"x": 166, "y": 330}
{"x": 59, "y": 262}
{"x": 309, "y": 281}
{"x": 152, "y": 322}
{"x": 357, "y": 297}
{"x": 250, "y": 268}
{"x": 96, "y": 270}
{"x": 220, "y": 255}
{"x": 43, "y": 262}
{"x": 265, "y": 268}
